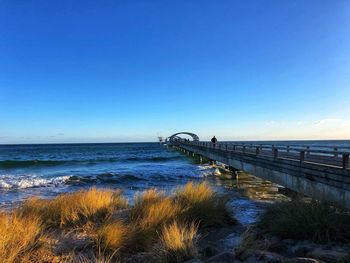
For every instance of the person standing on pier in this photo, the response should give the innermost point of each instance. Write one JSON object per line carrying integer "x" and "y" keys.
{"x": 214, "y": 141}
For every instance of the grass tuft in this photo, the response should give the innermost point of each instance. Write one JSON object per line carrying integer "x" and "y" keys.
{"x": 178, "y": 242}
{"x": 159, "y": 213}
{"x": 143, "y": 201}
{"x": 75, "y": 208}
{"x": 150, "y": 213}
{"x": 316, "y": 221}
{"x": 113, "y": 236}
{"x": 18, "y": 236}
{"x": 202, "y": 205}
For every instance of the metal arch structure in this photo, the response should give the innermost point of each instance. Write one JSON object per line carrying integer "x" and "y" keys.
{"x": 176, "y": 139}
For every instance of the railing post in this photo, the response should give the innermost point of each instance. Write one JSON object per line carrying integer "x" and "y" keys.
{"x": 346, "y": 162}
{"x": 302, "y": 156}
{"x": 257, "y": 152}
{"x": 275, "y": 153}
{"x": 336, "y": 152}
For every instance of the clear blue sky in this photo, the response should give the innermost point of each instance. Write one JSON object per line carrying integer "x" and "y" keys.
{"x": 94, "y": 71}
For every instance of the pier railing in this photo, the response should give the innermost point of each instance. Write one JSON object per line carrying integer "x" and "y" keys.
{"x": 336, "y": 156}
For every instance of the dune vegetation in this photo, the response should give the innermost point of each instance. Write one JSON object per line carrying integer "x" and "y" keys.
{"x": 18, "y": 235}
{"x": 74, "y": 209}
{"x": 178, "y": 242}
{"x": 318, "y": 221}
{"x": 99, "y": 225}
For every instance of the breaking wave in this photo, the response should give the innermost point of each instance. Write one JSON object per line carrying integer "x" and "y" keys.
{"x": 22, "y": 182}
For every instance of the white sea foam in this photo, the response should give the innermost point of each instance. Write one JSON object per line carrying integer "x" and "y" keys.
{"x": 4, "y": 184}
{"x": 29, "y": 181}
{"x": 206, "y": 170}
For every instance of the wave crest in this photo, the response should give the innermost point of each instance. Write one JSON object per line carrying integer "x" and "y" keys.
{"x": 20, "y": 182}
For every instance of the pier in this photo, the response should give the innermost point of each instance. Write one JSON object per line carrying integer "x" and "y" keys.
{"x": 318, "y": 171}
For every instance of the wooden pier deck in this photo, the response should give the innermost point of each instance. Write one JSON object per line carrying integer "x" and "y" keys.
{"x": 319, "y": 171}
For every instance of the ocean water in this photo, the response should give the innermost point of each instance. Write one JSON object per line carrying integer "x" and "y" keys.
{"x": 48, "y": 170}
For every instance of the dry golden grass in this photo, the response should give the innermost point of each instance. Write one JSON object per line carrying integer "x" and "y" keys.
{"x": 113, "y": 236}
{"x": 82, "y": 258}
{"x": 195, "y": 193}
{"x": 75, "y": 208}
{"x": 202, "y": 205}
{"x": 151, "y": 211}
{"x": 143, "y": 201}
{"x": 17, "y": 236}
{"x": 110, "y": 233}
{"x": 178, "y": 242}
{"x": 148, "y": 197}
{"x": 159, "y": 213}
{"x": 41, "y": 254}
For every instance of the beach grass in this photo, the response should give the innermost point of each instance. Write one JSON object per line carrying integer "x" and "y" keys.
{"x": 18, "y": 235}
{"x": 201, "y": 204}
{"x": 74, "y": 209}
{"x": 178, "y": 242}
{"x": 113, "y": 236}
{"x": 165, "y": 226}
{"x": 143, "y": 201}
{"x": 318, "y": 221}
{"x": 151, "y": 217}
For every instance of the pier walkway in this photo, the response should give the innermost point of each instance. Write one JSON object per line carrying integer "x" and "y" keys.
{"x": 318, "y": 171}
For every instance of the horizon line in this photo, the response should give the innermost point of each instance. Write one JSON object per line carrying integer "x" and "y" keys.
{"x": 58, "y": 143}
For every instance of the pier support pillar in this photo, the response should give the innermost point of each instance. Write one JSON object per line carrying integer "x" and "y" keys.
{"x": 234, "y": 172}
{"x": 200, "y": 159}
{"x": 235, "y": 175}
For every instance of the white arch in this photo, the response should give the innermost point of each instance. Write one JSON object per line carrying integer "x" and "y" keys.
{"x": 175, "y": 138}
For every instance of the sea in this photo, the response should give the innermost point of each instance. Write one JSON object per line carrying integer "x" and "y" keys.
{"x": 47, "y": 170}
